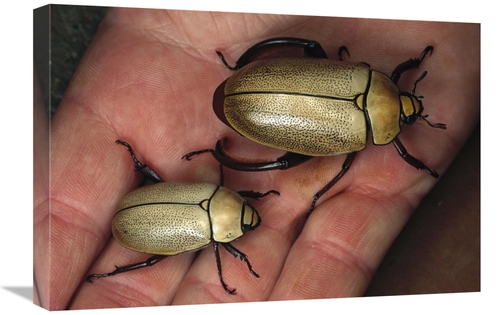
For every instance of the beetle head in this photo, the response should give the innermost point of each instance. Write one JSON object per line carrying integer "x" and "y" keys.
{"x": 412, "y": 107}
{"x": 250, "y": 218}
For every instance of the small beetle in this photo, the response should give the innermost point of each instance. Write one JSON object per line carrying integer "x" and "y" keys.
{"x": 167, "y": 219}
{"x": 314, "y": 107}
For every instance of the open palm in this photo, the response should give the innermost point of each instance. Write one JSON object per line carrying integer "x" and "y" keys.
{"x": 148, "y": 79}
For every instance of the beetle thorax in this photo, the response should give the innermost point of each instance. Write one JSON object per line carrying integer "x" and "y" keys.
{"x": 226, "y": 215}
{"x": 411, "y": 108}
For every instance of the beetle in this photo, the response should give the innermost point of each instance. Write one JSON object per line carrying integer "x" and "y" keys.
{"x": 314, "y": 106}
{"x": 167, "y": 219}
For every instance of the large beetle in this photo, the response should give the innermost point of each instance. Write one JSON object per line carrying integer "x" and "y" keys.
{"x": 167, "y": 219}
{"x": 314, "y": 106}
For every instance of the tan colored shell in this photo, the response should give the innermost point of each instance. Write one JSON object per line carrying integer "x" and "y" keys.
{"x": 309, "y": 106}
{"x": 306, "y": 76}
{"x": 172, "y": 218}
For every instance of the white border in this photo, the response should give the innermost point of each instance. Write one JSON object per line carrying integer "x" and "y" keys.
{"x": 16, "y": 151}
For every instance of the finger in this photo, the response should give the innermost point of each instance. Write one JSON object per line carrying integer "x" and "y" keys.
{"x": 41, "y": 171}
{"x": 340, "y": 247}
{"x": 88, "y": 176}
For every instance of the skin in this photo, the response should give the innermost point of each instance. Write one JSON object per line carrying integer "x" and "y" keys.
{"x": 148, "y": 78}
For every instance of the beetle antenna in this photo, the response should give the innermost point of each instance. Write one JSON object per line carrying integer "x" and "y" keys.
{"x": 416, "y": 82}
{"x": 438, "y": 125}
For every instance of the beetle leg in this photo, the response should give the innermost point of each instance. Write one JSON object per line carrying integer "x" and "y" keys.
{"x": 143, "y": 168}
{"x": 284, "y": 162}
{"x": 344, "y": 48}
{"x": 238, "y": 254}
{"x": 151, "y": 261}
{"x": 244, "y": 193}
{"x": 311, "y": 48}
{"x": 408, "y": 65}
{"x": 219, "y": 268}
{"x": 345, "y": 168}
{"x": 411, "y": 160}
{"x": 221, "y": 183}
{"x": 256, "y": 195}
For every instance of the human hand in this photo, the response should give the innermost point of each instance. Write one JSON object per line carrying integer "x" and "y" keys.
{"x": 148, "y": 78}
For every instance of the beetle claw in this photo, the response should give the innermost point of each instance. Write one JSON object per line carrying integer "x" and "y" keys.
{"x": 341, "y": 50}
{"x": 433, "y": 173}
{"x": 190, "y": 154}
{"x": 233, "y": 291}
{"x": 221, "y": 56}
{"x": 89, "y": 279}
{"x": 426, "y": 50}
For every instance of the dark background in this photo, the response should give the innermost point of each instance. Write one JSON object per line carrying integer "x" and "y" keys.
{"x": 72, "y": 30}
{"x": 438, "y": 251}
